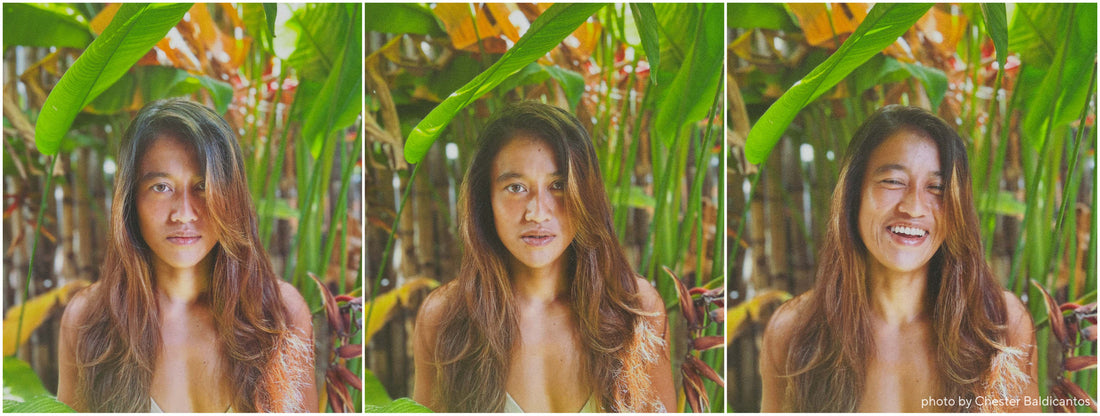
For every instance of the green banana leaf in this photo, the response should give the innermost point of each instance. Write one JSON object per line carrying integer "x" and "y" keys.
{"x": 688, "y": 97}
{"x": 134, "y": 30}
{"x": 645, "y": 19}
{"x": 883, "y": 25}
{"x": 996, "y": 25}
{"x": 402, "y": 405}
{"x": 545, "y": 33}
{"x": 44, "y": 25}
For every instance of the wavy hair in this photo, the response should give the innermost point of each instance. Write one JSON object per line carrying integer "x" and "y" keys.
{"x": 826, "y": 362}
{"x": 479, "y": 331}
{"x": 118, "y": 340}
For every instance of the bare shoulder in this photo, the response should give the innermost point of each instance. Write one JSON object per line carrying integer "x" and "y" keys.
{"x": 650, "y": 300}
{"x": 1020, "y": 329}
{"x": 433, "y": 308}
{"x": 77, "y": 308}
{"x": 296, "y": 306}
{"x": 785, "y": 322}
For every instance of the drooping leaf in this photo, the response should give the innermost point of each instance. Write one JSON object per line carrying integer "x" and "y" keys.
{"x": 339, "y": 96}
{"x": 689, "y": 96}
{"x": 44, "y": 25}
{"x": 571, "y": 82}
{"x": 684, "y": 298}
{"x": 374, "y": 392}
{"x": 882, "y": 26}
{"x": 37, "y": 404}
{"x": 381, "y": 305}
{"x": 271, "y": 13}
{"x": 645, "y": 19}
{"x": 996, "y": 25}
{"x": 21, "y": 383}
{"x": 759, "y": 16}
{"x": 37, "y": 310}
{"x": 1057, "y": 323}
{"x": 318, "y": 47}
{"x": 545, "y": 33}
{"x": 933, "y": 79}
{"x": 1005, "y": 204}
{"x": 133, "y": 31}
{"x": 401, "y": 18}
{"x": 402, "y": 405}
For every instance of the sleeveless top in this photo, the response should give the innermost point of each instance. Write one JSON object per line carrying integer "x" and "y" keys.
{"x": 153, "y": 408}
{"x": 510, "y": 405}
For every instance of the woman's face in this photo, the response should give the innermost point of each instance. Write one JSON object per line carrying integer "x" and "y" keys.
{"x": 171, "y": 206}
{"x": 528, "y": 204}
{"x": 900, "y": 213}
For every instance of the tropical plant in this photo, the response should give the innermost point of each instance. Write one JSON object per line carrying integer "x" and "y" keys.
{"x": 640, "y": 77}
{"x": 295, "y": 96}
{"x": 802, "y": 77}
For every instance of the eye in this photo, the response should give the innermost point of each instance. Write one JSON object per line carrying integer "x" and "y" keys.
{"x": 515, "y": 188}
{"x": 161, "y": 187}
{"x": 893, "y": 183}
{"x": 200, "y": 186}
{"x": 557, "y": 186}
{"x": 936, "y": 188}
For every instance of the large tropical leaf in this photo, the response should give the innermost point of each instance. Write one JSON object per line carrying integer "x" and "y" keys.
{"x": 645, "y": 19}
{"x": 36, "y": 311}
{"x": 44, "y": 25}
{"x": 402, "y": 18}
{"x": 374, "y": 393}
{"x": 338, "y": 103}
{"x": 402, "y": 405}
{"x": 760, "y": 15}
{"x": 134, "y": 30}
{"x": 882, "y": 26}
{"x": 689, "y": 96}
{"x": 318, "y": 48}
{"x": 20, "y": 380}
{"x": 545, "y": 33}
{"x": 996, "y": 25}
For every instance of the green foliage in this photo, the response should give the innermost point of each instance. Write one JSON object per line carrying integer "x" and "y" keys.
{"x": 759, "y": 15}
{"x": 38, "y": 404}
{"x": 996, "y": 25}
{"x": 882, "y": 26}
{"x": 24, "y": 393}
{"x": 545, "y": 33}
{"x": 695, "y": 79}
{"x": 402, "y": 18}
{"x": 134, "y": 30}
{"x": 45, "y": 25}
{"x": 374, "y": 392}
{"x": 645, "y": 18}
{"x": 402, "y": 405}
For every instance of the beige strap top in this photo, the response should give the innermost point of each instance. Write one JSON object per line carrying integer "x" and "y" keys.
{"x": 510, "y": 405}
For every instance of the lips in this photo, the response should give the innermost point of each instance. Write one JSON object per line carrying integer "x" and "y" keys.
{"x": 185, "y": 238}
{"x": 537, "y": 238}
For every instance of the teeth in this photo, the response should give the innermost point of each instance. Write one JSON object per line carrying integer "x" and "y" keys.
{"x": 915, "y": 232}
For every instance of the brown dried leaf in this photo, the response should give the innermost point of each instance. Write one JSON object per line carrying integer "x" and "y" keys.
{"x": 1089, "y": 333}
{"x": 705, "y": 370}
{"x": 349, "y": 351}
{"x": 1057, "y": 322}
{"x": 1079, "y": 363}
{"x": 332, "y": 310}
{"x": 686, "y": 304}
{"x": 1076, "y": 391}
{"x": 708, "y": 342}
{"x": 350, "y": 378}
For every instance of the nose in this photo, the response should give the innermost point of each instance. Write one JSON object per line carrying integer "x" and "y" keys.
{"x": 914, "y": 203}
{"x": 185, "y": 210}
{"x": 540, "y": 206}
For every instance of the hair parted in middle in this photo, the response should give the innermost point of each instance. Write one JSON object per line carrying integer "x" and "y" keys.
{"x": 827, "y": 359}
{"x": 480, "y": 328}
{"x": 119, "y": 339}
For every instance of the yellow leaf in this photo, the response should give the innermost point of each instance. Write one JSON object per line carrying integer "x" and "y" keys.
{"x": 384, "y": 303}
{"x": 749, "y": 311}
{"x": 38, "y": 309}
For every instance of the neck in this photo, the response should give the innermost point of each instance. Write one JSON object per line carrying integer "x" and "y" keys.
{"x": 898, "y": 297}
{"x": 544, "y": 285}
{"x": 183, "y": 286}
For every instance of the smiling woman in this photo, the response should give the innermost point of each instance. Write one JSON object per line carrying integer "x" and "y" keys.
{"x": 906, "y": 314}
{"x": 188, "y": 316}
{"x": 546, "y": 314}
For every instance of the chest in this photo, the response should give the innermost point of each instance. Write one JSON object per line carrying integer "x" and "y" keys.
{"x": 190, "y": 373}
{"x": 547, "y": 369}
{"x": 901, "y": 375}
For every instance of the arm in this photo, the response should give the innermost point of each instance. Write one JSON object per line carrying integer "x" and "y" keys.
{"x": 777, "y": 337}
{"x": 660, "y": 374}
{"x": 301, "y": 323}
{"x": 1021, "y": 335}
{"x": 66, "y": 350}
{"x": 424, "y": 336}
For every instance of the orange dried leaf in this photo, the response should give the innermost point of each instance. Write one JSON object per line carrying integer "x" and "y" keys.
{"x": 1079, "y": 363}
{"x": 1074, "y": 390}
{"x": 350, "y": 378}
{"x": 686, "y": 304}
{"x": 349, "y": 351}
{"x": 705, "y": 370}
{"x": 1057, "y": 323}
{"x": 708, "y": 342}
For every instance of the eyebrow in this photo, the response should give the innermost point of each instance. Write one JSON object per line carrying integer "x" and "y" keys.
{"x": 516, "y": 175}
{"x": 895, "y": 166}
{"x": 152, "y": 175}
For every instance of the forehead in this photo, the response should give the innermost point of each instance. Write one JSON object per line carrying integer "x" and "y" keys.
{"x": 525, "y": 154}
{"x": 167, "y": 152}
{"x": 908, "y": 150}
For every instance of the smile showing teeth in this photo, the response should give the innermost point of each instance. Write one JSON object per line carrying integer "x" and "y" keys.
{"x": 909, "y": 231}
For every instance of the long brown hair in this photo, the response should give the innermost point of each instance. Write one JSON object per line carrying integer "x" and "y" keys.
{"x": 118, "y": 340}
{"x": 827, "y": 360}
{"x": 480, "y": 328}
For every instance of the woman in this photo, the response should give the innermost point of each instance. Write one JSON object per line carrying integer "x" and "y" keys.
{"x": 906, "y": 314}
{"x": 188, "y": 315}
{"x": 546, "y": 314}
